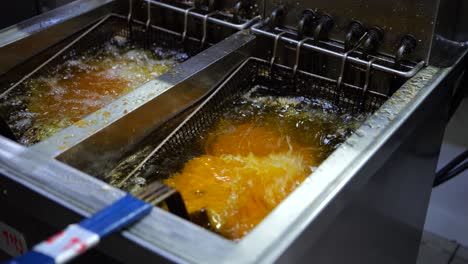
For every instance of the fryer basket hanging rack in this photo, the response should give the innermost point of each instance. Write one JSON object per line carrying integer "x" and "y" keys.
{"x": 140, "y": 33}
{"x": 344, "y": 56}
{"x": 160, "y": 164}
{"x": 104, "y": 30}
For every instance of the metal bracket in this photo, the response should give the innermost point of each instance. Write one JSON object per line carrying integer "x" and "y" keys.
{"x": 186, "y": 13}
{"x": 298, "y": 53}
{"x": 367, "y": 83}
{"x": 275, "y": 47}
{"x": 257, "y": 29}
{"x": 205, "y": 26}
{"x": 148, "y": 16}
{"x": 130, "y": 17}
{"x": 198, "y": 15}
{"x": 368, "y": 76}
{"x": 339, "y": 81}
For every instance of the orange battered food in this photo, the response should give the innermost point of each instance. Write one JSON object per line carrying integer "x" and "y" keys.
{"x": 85, "y": 84}
{"x": 83, "y": 94}
{"x": 244, "y": 139}
{"x": 248, "y": 138}
{"x": 238, "y": 191}
{"x": 247, "y": 171}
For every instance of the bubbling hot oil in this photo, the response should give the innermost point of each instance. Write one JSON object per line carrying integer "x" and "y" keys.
{"x": 259, "y": 152}
{"x": 82, "y": 85}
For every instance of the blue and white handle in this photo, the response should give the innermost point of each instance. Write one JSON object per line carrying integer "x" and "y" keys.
{"x": 77, "y": 238}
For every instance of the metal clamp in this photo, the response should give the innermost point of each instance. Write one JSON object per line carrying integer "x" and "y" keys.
{"x": 368, "y": 76}
{"x": 221, "y": 22}
{"x": 130, "y": 16}
{"x": 345, "y": 58}
{"x": 257, "y": 28}
{"x": 339, "y": 81}
{"x": 367, "y": 83}
{"x": 148, "y": 15}
{"x": 298, "y": 53}
{"x": 186, "y": 13}
{"x": 205, "y": 26}
{"x": 275, "y": 47}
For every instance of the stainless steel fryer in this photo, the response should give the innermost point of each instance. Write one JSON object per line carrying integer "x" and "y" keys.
{"x": 137, "y": 32}
{"x": 366, "y": 203}
{"x": 102, "y": 32}
{"x": 159, "y": 162}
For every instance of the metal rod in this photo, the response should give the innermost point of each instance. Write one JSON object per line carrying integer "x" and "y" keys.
{"x": 162, "y": 29}
{"x": 220, "y": 22}
{"x": 275, "y": 47}
{"x": 407, "y": 74}
{"x": 320, "y": 77}
{"x": 84, "y": 34}
{"x": 186, "y": 13}
{"x": 130, "y": 16}
{"x": 343, "y": 66}
{"x": 205, "y": 26}
{"x": 368, "y": 76}
{"x": 367, "y": 83}
{"x": 208, "y": 99}
{"x": 345, "y": 57}
{"x": 148, "y": 16}
{"x": 298, "y": 54}
{"x": 55, "y": 55}
{"x": 158, "y": 147}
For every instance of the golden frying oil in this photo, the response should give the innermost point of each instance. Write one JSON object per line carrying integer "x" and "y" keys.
{"x": 257, "y": 154}
{"x": 82, "y": 85}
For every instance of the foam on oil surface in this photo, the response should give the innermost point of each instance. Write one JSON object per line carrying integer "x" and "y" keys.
{"x": 83, "y": 84}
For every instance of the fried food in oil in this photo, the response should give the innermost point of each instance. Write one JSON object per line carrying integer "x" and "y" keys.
{"x": 247, "y": 171}
{"x": 83, "y": 85}
{"x": 238, "y": 191}
{"x": 244, "y": 139}
{"x": 260, "y": 140}
{"x": 84, "y": 94}
{"x": 59, "y": 102}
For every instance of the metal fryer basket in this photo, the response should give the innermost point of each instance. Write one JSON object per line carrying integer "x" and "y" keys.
{"x": 183, "y": 143}
{"x": 92, "y": 39}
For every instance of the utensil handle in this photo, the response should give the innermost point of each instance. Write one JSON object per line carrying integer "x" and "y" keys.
{"x": 78, "y": 238}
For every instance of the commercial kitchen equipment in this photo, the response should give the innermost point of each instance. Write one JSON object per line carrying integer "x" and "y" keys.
{"x": 404, "y": 61}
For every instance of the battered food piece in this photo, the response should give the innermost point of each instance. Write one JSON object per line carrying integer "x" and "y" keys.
{"x": 238, "y": 191}
{"x": 58, "y": 103}
{"x": 245, "y": 139}
{"x": 247, "y": 171}
{"x": 260, "y": 140}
